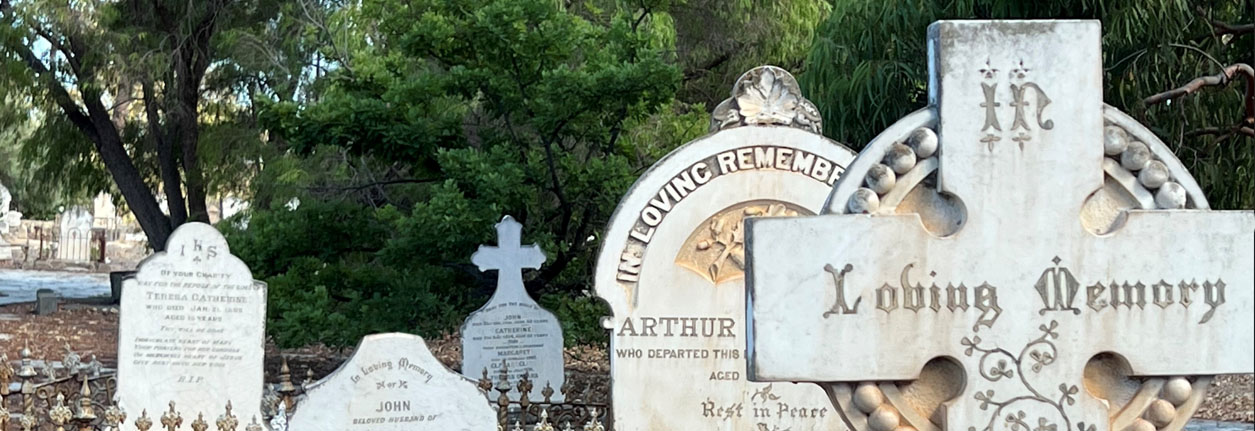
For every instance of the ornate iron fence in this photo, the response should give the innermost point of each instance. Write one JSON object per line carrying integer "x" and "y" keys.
{"x": 77, "y": 395}
{"x": 585, "y": 401}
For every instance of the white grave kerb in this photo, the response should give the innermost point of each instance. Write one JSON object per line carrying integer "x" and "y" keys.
{"x": 1017, "y": 289}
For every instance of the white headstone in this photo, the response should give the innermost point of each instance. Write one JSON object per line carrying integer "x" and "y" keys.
{"x": 672, "y": 266}
{"x": 192, "y": 330}
{"x": 512, "y": 329}
{"x": 393, "y": 383}
{"x": 74, "y": 243}
{"x": 1032, "y": 268}
{"x": 6, "y": 251}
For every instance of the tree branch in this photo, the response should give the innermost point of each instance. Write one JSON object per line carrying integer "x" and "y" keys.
{"x": 377, "y": 183}
{"x": 1218, "y": 80}
{"x": 58, "y": 92}
{"x": 1223, "y": 132}
{"x": 1220, "y": 27}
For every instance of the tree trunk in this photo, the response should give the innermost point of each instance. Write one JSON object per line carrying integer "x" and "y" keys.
{"x": 194, "y": 179}
{"x": 167, "y": 159}
{"x": 137, "y": 195}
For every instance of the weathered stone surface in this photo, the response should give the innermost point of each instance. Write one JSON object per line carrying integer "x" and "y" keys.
{"x": 1016, "y": 253}
{"x": 512, "y": 329}
{"x": 672, "y": 267}
{"x": 191, "y": 329}
{"x": 46, "y": 301}
{"x": 393, "y": 383}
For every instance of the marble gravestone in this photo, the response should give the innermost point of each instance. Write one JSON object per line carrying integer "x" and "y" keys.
{"x": 192, "y": 329}
{"x": 6, "y": 250}
{"x": 512, "y": 329}
{"x": 672, "y": 265}
{"x": 1040, "y": 260}
{"x": 74, "y": 244}
{"x": 393, "y": 383}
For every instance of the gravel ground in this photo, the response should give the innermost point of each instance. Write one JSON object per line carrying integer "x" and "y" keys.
{"x": 93, "y": 330}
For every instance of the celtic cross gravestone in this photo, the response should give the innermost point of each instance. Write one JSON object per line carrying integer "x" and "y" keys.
{"x": 1015, "y": 256}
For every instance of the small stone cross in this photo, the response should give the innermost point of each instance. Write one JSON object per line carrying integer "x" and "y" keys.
{"x": 509, "y": 258}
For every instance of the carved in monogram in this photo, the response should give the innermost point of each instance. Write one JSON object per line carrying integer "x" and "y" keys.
{"x": 1021, "y": 88}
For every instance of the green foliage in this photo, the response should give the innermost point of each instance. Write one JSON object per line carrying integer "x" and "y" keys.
{"x": 325, "y": 285}
{"x": 459, "y": 113}
{"x": 867, "y": 68}
{"x": 718, "y": 40}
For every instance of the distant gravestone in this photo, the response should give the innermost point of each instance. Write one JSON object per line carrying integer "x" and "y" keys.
{"x": 192, "y": 329}
{"x": 512, "y": 329}
{"x": 46, "y": 301}
{"x": 74, "y": 244}
{"x": 8, "y": 221}
{"x": 672, "y": 266}
{"x": 393, "y": 383}
{"x": 1042, "y": 261}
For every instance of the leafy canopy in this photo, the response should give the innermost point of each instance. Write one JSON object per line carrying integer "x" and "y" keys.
{"x": 454, "y": 114}
{"x": 867, "y": 68}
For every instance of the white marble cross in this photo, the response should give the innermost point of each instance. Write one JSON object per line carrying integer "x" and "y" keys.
{"x": 509, "y": 258}
{"x": 512, "y": 330}
{"x": 1018, "y": 292}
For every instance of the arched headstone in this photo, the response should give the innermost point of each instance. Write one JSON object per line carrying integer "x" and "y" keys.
{"x": 672, "y": 265}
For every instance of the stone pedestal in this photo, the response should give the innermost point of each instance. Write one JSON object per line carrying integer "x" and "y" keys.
{"x": 115, "y": 285}
{"x": 46, "y": 301}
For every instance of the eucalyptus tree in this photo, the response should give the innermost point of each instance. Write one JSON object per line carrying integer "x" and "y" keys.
{"x": 131, "y": 88}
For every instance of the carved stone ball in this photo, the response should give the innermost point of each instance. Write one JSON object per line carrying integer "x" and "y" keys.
{"x": 1140, "y": 424}
{"x": 881, "y": 179}
{"x": 1170, "y": 196}
{"x": 1177, "y": 390}
{"x": 868, "y": 397}
{"x": 1136, "y": 157}
{"x": 1114, "y": 140}
{"x": 900, "y": 158}
{"x": 1161, "y": 413}
{"x": 1154, "y": 175}
{"x": 924, "y": 141}
{"x": 864, "y": 201}
{"x": 885, "y": 418}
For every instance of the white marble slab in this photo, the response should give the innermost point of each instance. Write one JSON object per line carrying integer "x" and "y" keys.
{"x": 192, "y": 330}
{"x": 393, "y": 383}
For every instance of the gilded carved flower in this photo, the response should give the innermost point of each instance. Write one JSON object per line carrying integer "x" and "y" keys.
{"x": 766, "y": 100}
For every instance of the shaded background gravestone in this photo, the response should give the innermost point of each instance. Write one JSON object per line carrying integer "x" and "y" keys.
{"x": 74, "y": 244}
{"x": 512, "y": 330}
{"x": 1045, "y": 264}
{"x": 393, "y": 383}
{"x": 672, "y": 266}
{"x": 192, "y": 329}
